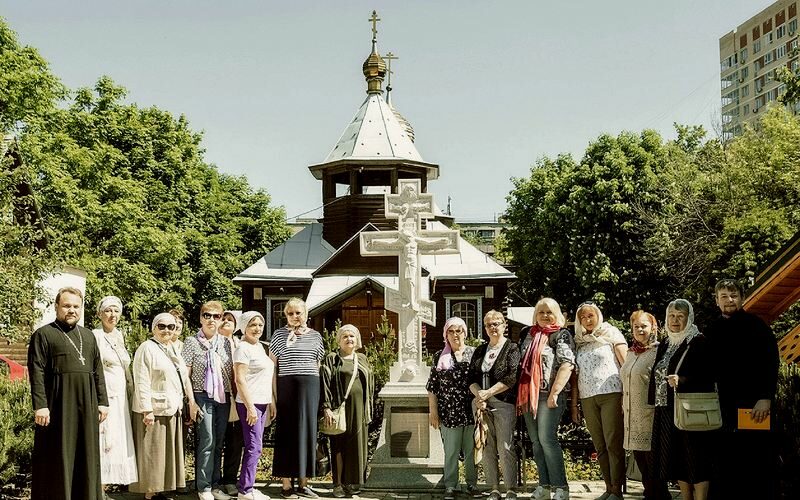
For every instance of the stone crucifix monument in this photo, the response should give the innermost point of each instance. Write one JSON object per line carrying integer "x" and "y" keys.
{"x": 409, "y": 452}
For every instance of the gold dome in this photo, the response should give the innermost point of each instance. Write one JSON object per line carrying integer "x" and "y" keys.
{"x": 374, "y": 69}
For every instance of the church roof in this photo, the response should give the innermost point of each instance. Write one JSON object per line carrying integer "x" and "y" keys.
{"x": 468, "y": 263}
{"x": 297, "y": 258}
{"x": 375, "y": 133}
{"x": 306, "y": 251}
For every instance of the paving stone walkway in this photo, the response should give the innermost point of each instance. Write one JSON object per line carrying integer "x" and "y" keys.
{"x": 579, "y": 490}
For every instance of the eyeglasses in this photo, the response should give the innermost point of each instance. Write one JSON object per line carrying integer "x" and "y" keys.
{"x": 216, "y": 316}
{"x": 456, "y": 332}
{"x": 495, "y": 324}
{"x": 162, "y": 326}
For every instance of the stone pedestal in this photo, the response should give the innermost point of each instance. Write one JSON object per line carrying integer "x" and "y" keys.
{"x": 410, "y": 455}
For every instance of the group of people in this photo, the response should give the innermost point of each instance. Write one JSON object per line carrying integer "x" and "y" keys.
{"x": 105, "y": 418}
{"x": 624, "y": 394}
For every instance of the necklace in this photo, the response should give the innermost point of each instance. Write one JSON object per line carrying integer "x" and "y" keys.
{"x": 79, "y": 351}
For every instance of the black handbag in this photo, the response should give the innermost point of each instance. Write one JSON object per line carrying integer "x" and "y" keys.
{"x": 323, "y": 461}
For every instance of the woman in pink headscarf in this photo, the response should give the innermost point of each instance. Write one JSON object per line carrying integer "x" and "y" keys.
{"x": 450, "y": 403}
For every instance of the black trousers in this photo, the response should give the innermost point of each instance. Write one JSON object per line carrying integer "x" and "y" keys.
{"x": 744, "y": 457}
{"x": 232, "y": 452}
{"x": 654, "y": 488}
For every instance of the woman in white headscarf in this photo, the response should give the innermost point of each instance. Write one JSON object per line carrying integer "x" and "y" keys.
{"x": 117, "y": 455}
{"x": 601, "y": 351}
{"x": 349, "y": 449}
{"x": 450, "y": 404}
{"x": 683, "y": 456}
{"x": 255, "y": 382}
{"x": 161, "y": 384}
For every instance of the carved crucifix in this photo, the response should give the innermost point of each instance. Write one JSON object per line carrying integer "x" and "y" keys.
{"x": 410, "y": 207}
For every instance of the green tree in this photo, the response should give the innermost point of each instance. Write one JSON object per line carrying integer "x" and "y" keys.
{"x": 127, "y": 196}
{"x": 576, "y": 228}
{"x": 28, "y": 94}
{"x": 729, "y": 210}
{"x": 123, "y": 192}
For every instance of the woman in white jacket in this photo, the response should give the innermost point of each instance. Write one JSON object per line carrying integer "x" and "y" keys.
{"x": 160, "y": 386}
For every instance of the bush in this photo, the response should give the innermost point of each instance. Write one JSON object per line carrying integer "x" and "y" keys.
{"x": 16, "y": 433}
{"x": 786, "y": 415}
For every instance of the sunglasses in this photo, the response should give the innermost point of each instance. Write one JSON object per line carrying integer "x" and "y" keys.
{"x": 216, "y": 316}
{"x": 162, "y": 326}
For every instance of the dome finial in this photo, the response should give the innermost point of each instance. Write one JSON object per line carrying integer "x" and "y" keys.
{"x": 374, "y": 68}
{"x": 374, "y": 20}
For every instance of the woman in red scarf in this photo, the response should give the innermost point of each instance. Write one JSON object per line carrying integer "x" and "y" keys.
{"x": 547, "y": 364}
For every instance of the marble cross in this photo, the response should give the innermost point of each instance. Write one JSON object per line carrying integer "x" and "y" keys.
{"x": 410, "y": 207}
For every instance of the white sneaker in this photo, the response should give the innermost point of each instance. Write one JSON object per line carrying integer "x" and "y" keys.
{"x": 561, "y": 494}
{"x": 541, "y": 493}
{"x": 205, "y": 495}
{"x": 253, "y": 495}
{"x": 218, "y": 494}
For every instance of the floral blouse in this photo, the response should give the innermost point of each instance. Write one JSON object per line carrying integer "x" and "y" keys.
{"x": 451, "y": 388}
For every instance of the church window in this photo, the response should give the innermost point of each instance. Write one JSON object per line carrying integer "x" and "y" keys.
{"x": 466, "y": 311}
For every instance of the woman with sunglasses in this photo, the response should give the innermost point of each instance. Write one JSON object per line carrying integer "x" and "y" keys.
{"x": 493, "y": 380}
{"x": 209, "y": 357}
{"x": 117, "y": 455}
{"x": 161, "y": 384}
{"x": 601, "y": 350}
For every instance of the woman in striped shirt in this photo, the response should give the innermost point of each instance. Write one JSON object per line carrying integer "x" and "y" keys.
{"x": 296, "y": 351}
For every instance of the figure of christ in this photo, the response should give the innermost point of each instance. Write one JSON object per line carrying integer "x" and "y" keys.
{"x": 410, "y": 204}
{"x": 410, "y": 243}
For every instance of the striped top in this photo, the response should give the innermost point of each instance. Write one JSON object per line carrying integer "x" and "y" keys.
{"x": 300, "y": 358}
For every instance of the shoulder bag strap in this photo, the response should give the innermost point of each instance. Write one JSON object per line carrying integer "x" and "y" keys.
{"x": 678, "y": 367}
{"x": 353, "y": 378}
{"x": 177, "y": 368}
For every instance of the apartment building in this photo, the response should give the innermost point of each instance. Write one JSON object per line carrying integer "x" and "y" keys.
{"x": 749, "y": 58}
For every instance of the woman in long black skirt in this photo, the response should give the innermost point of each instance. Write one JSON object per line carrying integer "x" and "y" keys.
{"x": 683, "y": 456}
{"x": 297, "y": 351}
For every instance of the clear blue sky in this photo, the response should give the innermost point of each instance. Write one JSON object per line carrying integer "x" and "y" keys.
{"x": 489, "y": 87}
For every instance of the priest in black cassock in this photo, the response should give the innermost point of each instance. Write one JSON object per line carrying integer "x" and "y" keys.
{"x": 69, "y": 401}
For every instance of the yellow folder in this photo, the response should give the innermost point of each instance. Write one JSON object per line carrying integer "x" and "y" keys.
{"x": 745, "y": 421}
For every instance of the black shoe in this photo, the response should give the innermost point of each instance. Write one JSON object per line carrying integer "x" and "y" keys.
{"x": 288, "y": 493}
{"x": 306, "y": 492}
{"x": 161, "y": 496}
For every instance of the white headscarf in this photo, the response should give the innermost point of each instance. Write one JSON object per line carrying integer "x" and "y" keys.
{"x": 237, "y": 321}
{"x": 675, "y": 338}
{"x": 247, "y": 317}
{"x": 352, "y": 329}
{"x": 161, "y": 317}
{"x": 107, "y": 301}
{"x": 601, "y": 332}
